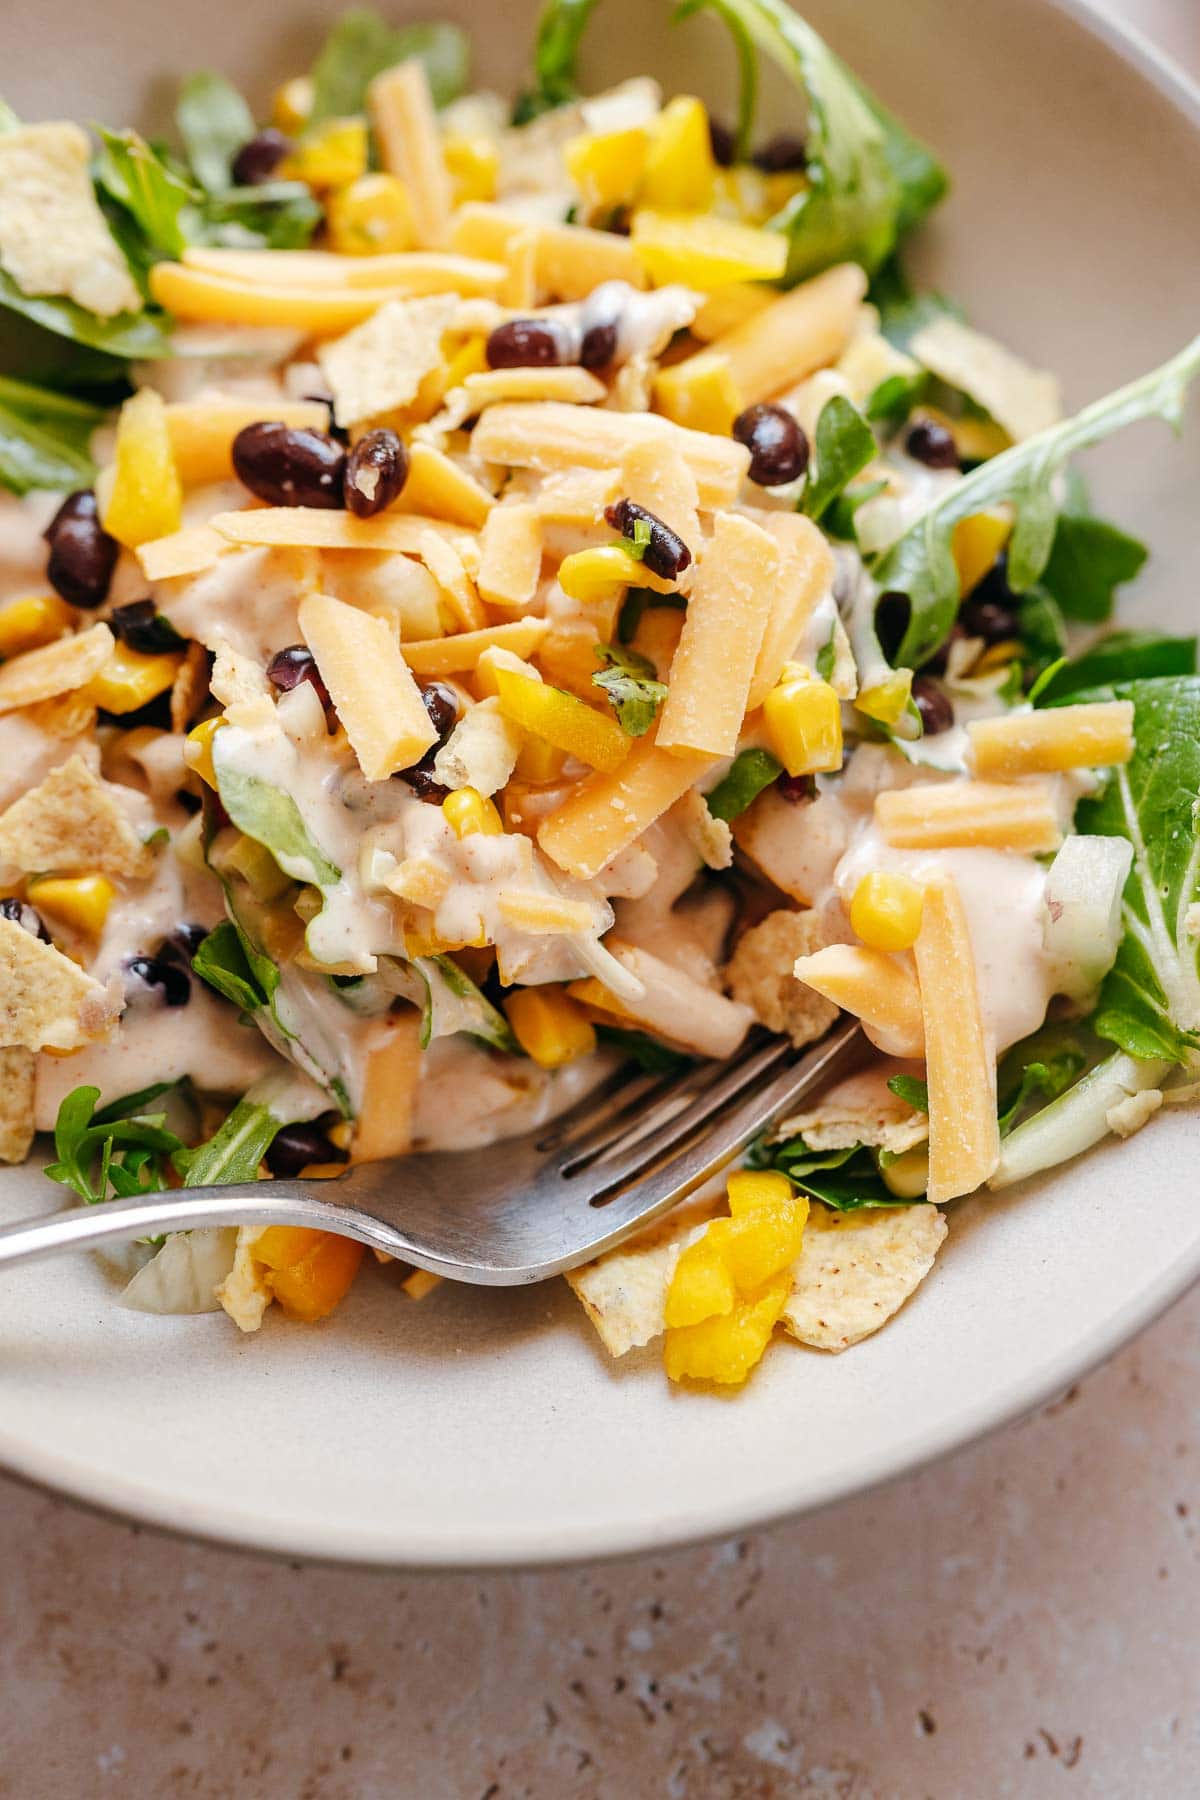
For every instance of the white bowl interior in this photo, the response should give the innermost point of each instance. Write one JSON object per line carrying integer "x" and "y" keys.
{"x": 486, "y": 1427}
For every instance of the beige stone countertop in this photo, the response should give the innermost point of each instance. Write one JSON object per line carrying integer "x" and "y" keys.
{"x": 1020, "y": 1620}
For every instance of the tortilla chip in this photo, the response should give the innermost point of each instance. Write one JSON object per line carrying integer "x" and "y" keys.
{"x": 191, "y": 687}
{"x": 16, "y": 1103}
{"x": 624, "y": 1293}
{"x": 67, "y": 716}
{"x": 72, "y": 823}
{"x": 46, "y": 1000}
{"x": 245, "y": 1294}
{"x": 760, "y": 970}
{"x": 380, "y": 364}
{"x": 236, "y": 677}
{"x": 861, "y": 1110}
{"x": 57, "y": 668}
{"x": 856, "y": 1269}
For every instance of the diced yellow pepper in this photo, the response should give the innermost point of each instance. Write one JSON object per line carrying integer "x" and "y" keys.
{"x": 727, "y": 1267}
{"x": 976, "y": 544}
{"x": 197, "y": 750}
{"x": 607, "y": 166}
{"x": 145, "y": 499}
{"x": 469, "y": 359}
{"x": 549, "y": 1027}
{"x": 701, "y": 1285}
{"x": 760, "y": 1243}
{"x": 888, "y": 700}
{"x": 331, "y": 155}
{"x": 699, "y": 392}
{"x": 680, "y": 171}
{"x": 540, "y": 762}
{"x": 886, "y": 910}
{"x": 803, "y": 720}
{"x": 33, "y": 620}
{"x": 473, "y": 165}
{"x": 81, "y": 901}
{"x": 725, "y": 1349}
{"x": 291, "y": 107}
{"x": 371, "y": 217}
{"x": 749, "y": 1189}
{"x": 704, "y": 251}
{"x": 131, "y": 678}
{"x": 466, "y": 812}
{"x": 311, "y": 1271}
{"x": 570, "y": 724}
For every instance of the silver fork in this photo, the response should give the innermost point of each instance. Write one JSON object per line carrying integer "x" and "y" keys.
{"x": 516, "y": 1211}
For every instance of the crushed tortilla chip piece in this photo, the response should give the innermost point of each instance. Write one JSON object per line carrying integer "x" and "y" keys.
{"x": 72, "y": 823}
{"x": 624, "y": 1293}
{"x": 380, "y": 364}
{"x": 855, "y": 1269}
{"x": 46, "y": 1001}
{"x": 66, "y": 716}
{"x": 862, "y": 1109}
{"x": 245, "y": 1293}
{"x": 191, "y": 687}
{"x": 57, "y": 668}
{"x": 235, "y": 676}
{"x": 16, "y": 1103}
{"x": 760, "y": 971}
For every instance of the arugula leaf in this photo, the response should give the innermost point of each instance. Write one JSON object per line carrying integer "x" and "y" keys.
{"x": 893, "y": 399}
{"x": 272, "y": 818}
{"x": 747, "y": 775}
{"x": 555, "y": 57}
{"x": 222, "y": 962}
{"x": 845, "y": 445}
{"x": 921, "y": 563}
{"x": 846, "y": 1180}
{"x": 153, "y": 195}
{"x": 1119, "y": 656}
{"x": 1150, "y": 1001}
{"x": 362, "y": 44}
{"x": 868, "y": 180}
{"x": 119, "y": 1145}
{"x": 651, "y": 1057}
{"x": 1041, "y": 629}
{"x": 44, "y": 438}
{"x": 1090, "y": 559}
{"x": 131, "y": 336}
{"x": 275, "y": 215}
{"x": 234, "y": 1152}
{"x": 631, "y": 683}
{"x": 911, "y": 1090}
{"x": 214, "y": 123}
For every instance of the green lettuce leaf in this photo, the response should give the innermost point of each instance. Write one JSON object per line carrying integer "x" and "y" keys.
{"x": 44, "y": 438}
{"x": 1089, "y": 561}
{"x": 272, "y": 818}
{"x": 223, "y": 961}
{"x": 845, "y": 444}
{"x": 362, "y": 44}
{"x": 633, "y": 689}
{"x": 214, "y": 123}
{"x": 156, "y": 198}
{"x": 747, "y": 775}
{"x": 1119, "y": 656}
{"x": 128, "y": 335}
{"x": 454, "y": 1003}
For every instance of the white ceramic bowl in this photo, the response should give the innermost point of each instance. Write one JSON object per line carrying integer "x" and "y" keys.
{"x": 490, "y": 1428}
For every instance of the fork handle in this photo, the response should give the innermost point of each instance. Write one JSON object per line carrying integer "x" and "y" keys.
{"x": 186, "y": 1209}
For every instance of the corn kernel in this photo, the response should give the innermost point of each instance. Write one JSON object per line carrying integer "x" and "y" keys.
{"x": 197, "y": 750}
{"x": 466, "y": 812}
{"x": 976, "y": 544}
{"x": 680, "y": 172}
{"x": 699, "y": 392}
{"x": 600, "y": 574}
{"x": 81, "y": 901}
{"x": 803, "y": 720}
{"x": 562, "y": 719}
{"x": 145, "y": 498}
{"x": 371, "y": 217}
{"x": 549, "y": 1027}
{"x": 606, "y": 166}
{"x": 32, "y": 621}
{"x": 291, "y": 107}
{"x": 725, "y": 1349}
{"x": 888, "y": 700}
{"x": 331, "y": 155}
{"x": 907, "y": 1175}
{"x": 130, "y": 679}
{"x": 886, "y": 910}
{"x": 704, "y": 251}
{"x": 473, "y": 165}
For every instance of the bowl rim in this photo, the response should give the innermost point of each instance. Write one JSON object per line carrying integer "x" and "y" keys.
{"x": 124, "y": 1498}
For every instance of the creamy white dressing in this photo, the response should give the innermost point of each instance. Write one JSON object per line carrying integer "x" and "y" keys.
{"x": 250, "y": 598}
{"x": 469, "y": 1097}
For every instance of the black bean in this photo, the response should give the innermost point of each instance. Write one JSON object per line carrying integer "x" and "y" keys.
{"x": 441, "y": 703}
{"x": 723, "y": 144}
{"x": 82, "y": 555}
{"x": 991, "y": 611}
{"x": 184, "y": 941}
{"x": 296, "y": 1146}
{"x": 797, "y": 790}
{"x": 933, "y": 703}
{"x": 932, "y": 445}
{"x": 781, "y": 154}
{"x": 24, "y": 915}
{"x": 376, "y": 470}
{"x": 525, "y": 344}
{"x": 288, "y": 465}
{"x": 777, "y": 445}
{"x": 892, "y": 614}
{"x": 259, "y": 157}
{"x": 157, "y": 972}
{"x": 142, "y": 627}
{"x": 599, "y": 346}
{"x": 288, "y": 668}
{"x": 422, "y": 780}
{"x": 666, "y": 555}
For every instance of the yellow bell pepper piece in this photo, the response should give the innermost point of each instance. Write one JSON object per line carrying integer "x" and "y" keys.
{"x": 680, "y": 172}
{"x": 699, "y": 392}
{"x": 371, "y": 217}
{"x": 803, "y": 722}
{"x": 607, "y": 166}
{"x": 311, "y": 1271}
{"x": 197, "y": 750}
{"x": 33, "y": 620}
{"x": 748, "y": 1189}
{"x": 539, "y": 762}
{"x": 976, "y": 544}
{"x": 549, "y": 1027}
{"x": 701, "y": 1286}
{"x": 725, "y": 1349}
{"x": 473, "y": 165}
{"x": 145, "y": 499}
{"x": 547, "y": 712}
{"x": 704, "y": 251}
{"x": 887, "y": 700}
{"x": 81, "y": 901}
{"x": 331, "y": 155}
{"x": 291, "y": 107}
{"x": 885, "y": 911}
{"x": 467, "y": 812}
{"x": 130, "y": 679}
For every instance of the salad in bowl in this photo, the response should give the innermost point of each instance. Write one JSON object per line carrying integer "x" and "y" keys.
{"x": 497, "y": 590}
